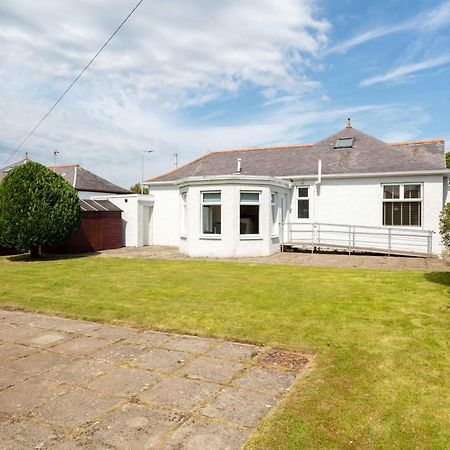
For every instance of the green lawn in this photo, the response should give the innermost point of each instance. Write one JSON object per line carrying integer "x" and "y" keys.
{"x": 381, "y": 376}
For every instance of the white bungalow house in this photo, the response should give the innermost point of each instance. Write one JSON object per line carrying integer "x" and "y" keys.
{"x": 349, "y": 191}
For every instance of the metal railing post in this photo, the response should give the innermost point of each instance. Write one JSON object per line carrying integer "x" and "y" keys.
{"x": 349, "y": 239}
{"x": 430, "y": 243}
{"x": 389, "y": 241}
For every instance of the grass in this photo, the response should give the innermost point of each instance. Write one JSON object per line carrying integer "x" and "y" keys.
{"x": 381, "y": 376}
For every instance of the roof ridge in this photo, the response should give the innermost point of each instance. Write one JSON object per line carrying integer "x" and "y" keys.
{"x": 170, "y": 172}
{"x": 419, "y": 141}
{"x": 63, "y": 165}
{"x": 271, "y": 147}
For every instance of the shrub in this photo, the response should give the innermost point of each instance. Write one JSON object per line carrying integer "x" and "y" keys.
{"x": 37, "y": 207}
{"x": 444, "y": 225}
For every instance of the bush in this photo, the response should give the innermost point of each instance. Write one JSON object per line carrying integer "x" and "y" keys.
{"x": 37, "y": 207}
{"x": 444, "y": 225}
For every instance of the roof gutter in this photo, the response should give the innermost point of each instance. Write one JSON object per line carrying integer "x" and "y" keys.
{"x": 370, "y": 175}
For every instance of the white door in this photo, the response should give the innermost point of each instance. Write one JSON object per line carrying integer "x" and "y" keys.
{"x": 147, "y": 225}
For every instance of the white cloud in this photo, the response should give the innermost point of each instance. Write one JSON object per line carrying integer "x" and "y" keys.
{"x": 408, "y": 69}
{"x": 170, "y": 56}
{"x": 430, "y": 20}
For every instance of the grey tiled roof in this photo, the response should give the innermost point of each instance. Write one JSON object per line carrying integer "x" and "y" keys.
{"x": 367, "y": 155}
{"x": 78, "y": 177}
{"x": 83, "y": 180}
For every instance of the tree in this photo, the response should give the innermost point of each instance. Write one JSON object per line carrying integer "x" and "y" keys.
{"x": 136, "y": 188}
{"x": 444, "y": 225}
{"x": 447, "y": 159}
{"x": 37, "y": 207}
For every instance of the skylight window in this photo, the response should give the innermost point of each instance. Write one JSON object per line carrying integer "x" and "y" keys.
{"x": 344, "y": 142}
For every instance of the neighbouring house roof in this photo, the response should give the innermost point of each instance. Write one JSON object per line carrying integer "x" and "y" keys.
{"x": 366, "y": 155}
{"x": 98, "y": 206}
{"x": 78, "y": 177}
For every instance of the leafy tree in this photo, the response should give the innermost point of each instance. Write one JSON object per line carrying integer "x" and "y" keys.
{"x": 37, "y": 207}
{"x": 136, "y": 188}
{"x": 444, "y": 225}
{"x": 447, "y": 159}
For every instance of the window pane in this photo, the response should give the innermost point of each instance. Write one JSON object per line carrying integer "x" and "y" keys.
{"x": 391, "y": 191}
{"x": 249, "y": 219}
{"x": 402, "y": 213}
{"x": 303, "y": 192}
{"x": 344, "y": 143}
{"x": 212, "y": 220}
{"x": 412, "y": 190}
{"x": 211, "y": 197}
{"x": 303, "y": 209}
{"x": 387, "y": 213}
{"x": 249, "y": 197}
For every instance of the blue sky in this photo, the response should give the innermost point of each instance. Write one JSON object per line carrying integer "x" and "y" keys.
{"x": 189, "y": 76}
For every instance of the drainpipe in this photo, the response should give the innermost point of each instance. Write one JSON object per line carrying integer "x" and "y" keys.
{"x": 317, "y": 187}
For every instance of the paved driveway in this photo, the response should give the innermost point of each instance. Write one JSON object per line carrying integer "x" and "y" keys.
{"x": 72, "y": 384}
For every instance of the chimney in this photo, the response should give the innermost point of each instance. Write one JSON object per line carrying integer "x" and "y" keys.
{"x": 349, "y": 123}
{"x": 239, "y": 168}
{"x": 26, "y": 156}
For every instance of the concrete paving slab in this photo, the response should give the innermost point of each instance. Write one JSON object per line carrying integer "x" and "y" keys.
{"x": 135, "y": 427}
{"x": 10, "y": 351}
{"x": 191, "y": 344}
{"x": 180, "y": 393}
{"x": 27, "y": 395}
{"x": 119, "y": 352}
{"x": 38, "y": 363}
{"x": 105, "y": 387}
{"x": 124, "y": 381}
{"x": 261, "y": 378}
{"x": 212, "y": 369}
{"x": 10, "y": 377}
{"x": 80, "y": 345}
{"x": 77, "y": 372}
{"x": 49, "y": 338}
{"x": 25, "y": 435}
{"x": 240, "y": 406}
{"x": 198, "y": 434}
{"x": 113, "y": 333}
{"x": 75, "y": 408}
{"x": 19, "y": 334}
{"x": 148, "y": 338}
{"x": 162, "y": 360}
{"x": 234, "y": 350}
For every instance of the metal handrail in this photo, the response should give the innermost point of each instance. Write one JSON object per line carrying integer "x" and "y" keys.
{"x": 390, "y": 239}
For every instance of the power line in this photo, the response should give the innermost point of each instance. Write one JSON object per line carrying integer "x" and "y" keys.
{"x": 71, "y": 84}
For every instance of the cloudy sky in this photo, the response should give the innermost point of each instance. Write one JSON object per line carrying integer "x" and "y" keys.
{"x": 188, "y": 76}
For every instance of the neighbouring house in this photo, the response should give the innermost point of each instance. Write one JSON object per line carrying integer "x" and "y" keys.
{"x": 349, "y": 191}
{"x": 104, "y": 225}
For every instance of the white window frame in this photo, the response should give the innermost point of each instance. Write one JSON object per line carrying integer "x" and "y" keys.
{"x": 402, "y": 199}
{"x": 209, "y": 203}
{"x": 307, "y": 186}
{"x": 183, "y": 198}
{"x": 255, "y": 203}
{"x": 274, "y": 207}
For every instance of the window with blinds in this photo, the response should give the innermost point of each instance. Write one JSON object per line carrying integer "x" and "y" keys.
{"x": 402, "y": 205}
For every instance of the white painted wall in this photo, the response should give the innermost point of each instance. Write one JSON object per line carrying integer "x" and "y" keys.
{"x": 359, "y": 202}
{"x": 166, "y": 215}
{"x": 136, "y": 224}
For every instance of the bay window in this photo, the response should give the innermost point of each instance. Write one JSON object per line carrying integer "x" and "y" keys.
{"x": 274, "y": 208}
{"x": 211, "y": 213}
{"x": 402, "y": 204}
{"x": 249, "y": 212}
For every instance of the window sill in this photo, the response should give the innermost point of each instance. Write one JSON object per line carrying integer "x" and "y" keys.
{"x": 250, "y": 237}
{"x": 212, "y": 237}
